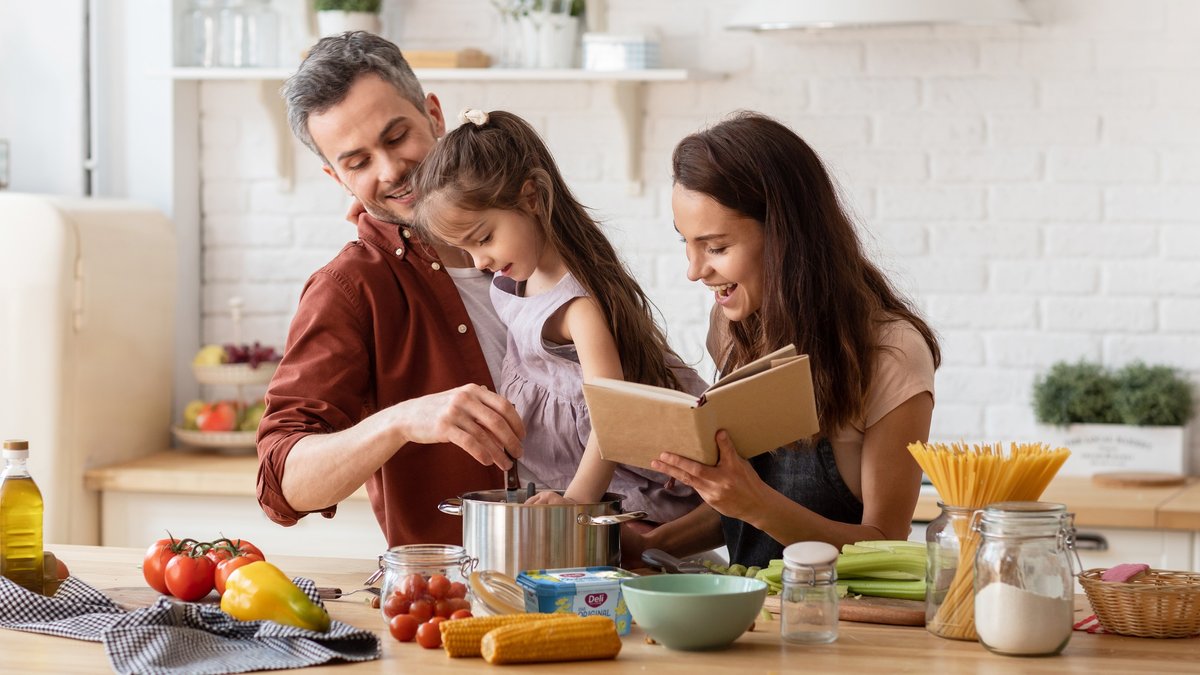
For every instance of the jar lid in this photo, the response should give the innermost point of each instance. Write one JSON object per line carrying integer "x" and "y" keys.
{"x": 1024, "y": 509}
{"x": 425, "y": 554}
{"x": 809, "y": 554}
{"x": 1029, "y": 518}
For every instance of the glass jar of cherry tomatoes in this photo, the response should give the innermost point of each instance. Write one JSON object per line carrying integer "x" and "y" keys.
{"x": 424, "y": 581}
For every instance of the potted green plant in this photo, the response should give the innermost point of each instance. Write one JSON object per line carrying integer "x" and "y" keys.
{"x": 338, "y": 16}
{"x": 1132, "y": 419}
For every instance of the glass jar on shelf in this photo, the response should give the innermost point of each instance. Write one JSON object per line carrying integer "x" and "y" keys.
{"x": 1024, "y": 578}
{"x": 425, "y": 580}
{"x": 200, "y": 34}
{"x": 949, "y": 573}
{"x": 232, "y": 32}
{"x": 262, "y": 34}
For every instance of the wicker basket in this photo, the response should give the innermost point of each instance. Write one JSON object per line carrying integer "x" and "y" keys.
{"x": 1157, "y": 604}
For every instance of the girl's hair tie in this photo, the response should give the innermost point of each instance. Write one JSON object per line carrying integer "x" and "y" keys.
{"x": 476, "y": 117}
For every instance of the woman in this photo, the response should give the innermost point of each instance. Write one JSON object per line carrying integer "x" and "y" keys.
{"x": 763, "y": 229}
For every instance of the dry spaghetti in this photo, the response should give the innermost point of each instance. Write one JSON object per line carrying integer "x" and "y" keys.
{"x": 973, "y": 477}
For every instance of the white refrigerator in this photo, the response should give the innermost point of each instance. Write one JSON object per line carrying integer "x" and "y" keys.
{"x": 87, "y": 293}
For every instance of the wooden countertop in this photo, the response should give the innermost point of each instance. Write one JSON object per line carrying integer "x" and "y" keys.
{"x": 1165, "y": 508}
{"x": 859, "y": 648}
{"x": 1182, "y": 511}
{"x": 201, "y": 472}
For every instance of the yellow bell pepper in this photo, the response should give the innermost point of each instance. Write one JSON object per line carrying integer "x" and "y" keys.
{"x": 261, "y": 591}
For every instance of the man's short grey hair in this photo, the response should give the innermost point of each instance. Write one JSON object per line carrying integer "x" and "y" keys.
{"x": 332, "y": 66}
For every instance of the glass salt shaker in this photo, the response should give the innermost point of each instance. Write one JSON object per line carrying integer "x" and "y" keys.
{"x": 436, "y": 575}
{"x": 1024, "y": 578}
{"x": 809, "y": 604}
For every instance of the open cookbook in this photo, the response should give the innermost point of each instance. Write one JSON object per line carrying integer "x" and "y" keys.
{"x": 763, "y": 405}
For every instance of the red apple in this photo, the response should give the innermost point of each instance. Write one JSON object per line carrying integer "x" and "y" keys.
{"x": 218, "y": 416}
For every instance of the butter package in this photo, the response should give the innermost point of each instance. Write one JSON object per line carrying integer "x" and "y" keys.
{"x": 586, "y": 591}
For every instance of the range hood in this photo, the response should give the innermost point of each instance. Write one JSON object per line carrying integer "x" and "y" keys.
{"x": 759, "y": 15}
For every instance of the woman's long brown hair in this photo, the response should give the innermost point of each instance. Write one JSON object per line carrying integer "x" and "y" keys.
{"x": 480, "y": 167}
{"x": 820, "y": 292}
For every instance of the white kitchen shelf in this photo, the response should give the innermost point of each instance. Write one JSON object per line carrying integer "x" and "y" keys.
{"x": 468, "y": 74}
{"x": 625, "y": 87}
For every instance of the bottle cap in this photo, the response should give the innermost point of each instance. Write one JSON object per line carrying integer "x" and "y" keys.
{"x": 15, "y": 449}
{"x": 810, "y": 554}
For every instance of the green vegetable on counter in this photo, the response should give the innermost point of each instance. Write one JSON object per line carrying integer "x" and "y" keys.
{"x": 883, "y": 568}
{"x": 772, "y": 573}
{"x": 883, "y": 588}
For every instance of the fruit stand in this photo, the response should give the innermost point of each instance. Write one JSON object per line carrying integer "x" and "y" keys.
{"x": 228, "y": 425}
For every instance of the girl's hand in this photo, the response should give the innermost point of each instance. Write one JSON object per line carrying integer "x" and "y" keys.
{"x": 548, "y": 497}
{"x": 731, "y": 487}
{"x": 356, "y": 209}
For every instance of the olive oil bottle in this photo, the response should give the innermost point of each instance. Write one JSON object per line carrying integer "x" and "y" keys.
{"x": 20, "y": 519}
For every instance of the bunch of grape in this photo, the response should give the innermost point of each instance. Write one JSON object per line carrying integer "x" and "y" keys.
{"x": 251, "y": 354}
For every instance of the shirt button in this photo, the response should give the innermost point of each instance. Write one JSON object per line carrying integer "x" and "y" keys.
{"x": 406, "y": 233}
{"x": 400, "y": 251}
{"x": 462, "y": 327}
{"x": 437, "y": 266}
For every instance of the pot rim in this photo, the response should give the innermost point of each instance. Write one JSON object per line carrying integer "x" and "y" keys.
{"x": 609, "y": 498}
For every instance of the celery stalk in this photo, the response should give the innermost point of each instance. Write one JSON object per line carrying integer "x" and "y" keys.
{"x": 893, "y": 545}
{"x": 854, "y": 549}
{"x": 880, "y": 588}
{"x": 882, "y": 565}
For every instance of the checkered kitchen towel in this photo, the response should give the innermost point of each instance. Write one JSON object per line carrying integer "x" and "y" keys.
{"x": 175, "y": 637}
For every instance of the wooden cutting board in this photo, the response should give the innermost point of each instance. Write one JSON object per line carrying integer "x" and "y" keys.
{"x": 866, "y": 609}
{"x": 136, "y": 597}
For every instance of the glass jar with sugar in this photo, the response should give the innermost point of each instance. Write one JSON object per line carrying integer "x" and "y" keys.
{"x": 1024, "y": 578}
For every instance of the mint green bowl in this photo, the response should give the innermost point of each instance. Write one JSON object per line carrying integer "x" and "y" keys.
{"x": 694, "y": 611}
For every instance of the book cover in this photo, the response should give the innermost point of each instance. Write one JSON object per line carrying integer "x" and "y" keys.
{"x": 763, "y": 405}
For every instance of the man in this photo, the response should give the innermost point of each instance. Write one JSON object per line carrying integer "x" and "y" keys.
{"x": 388, "y": 374}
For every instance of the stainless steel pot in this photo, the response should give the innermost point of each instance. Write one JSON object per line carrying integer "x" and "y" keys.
{"x": 512, "y": 537}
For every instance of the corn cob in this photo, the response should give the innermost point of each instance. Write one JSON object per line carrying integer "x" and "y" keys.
{"x": 574, "y": 639}
{"x": 461, "y": 637}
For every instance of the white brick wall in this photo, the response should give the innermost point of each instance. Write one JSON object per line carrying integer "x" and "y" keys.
{"x": 1037, "y": 189}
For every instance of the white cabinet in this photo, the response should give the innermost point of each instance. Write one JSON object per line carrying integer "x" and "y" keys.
{"x": 137, "y": 518}
{"x": 1160, "y": 549}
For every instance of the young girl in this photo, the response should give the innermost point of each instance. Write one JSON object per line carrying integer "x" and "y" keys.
{"x": 573, "y": 311}
{"x": 764, "y": 231}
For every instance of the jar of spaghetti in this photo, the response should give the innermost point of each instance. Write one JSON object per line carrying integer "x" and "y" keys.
{"x": 425, "y": 580}
{"x": 949, "y": 574}
{"x": 1024, "y": 578}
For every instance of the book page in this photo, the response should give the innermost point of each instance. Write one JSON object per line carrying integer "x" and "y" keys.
{"x": 755, "y": 367}
{"x": 644, "y": 390}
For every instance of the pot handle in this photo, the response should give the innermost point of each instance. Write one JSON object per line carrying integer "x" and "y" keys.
{"x": 451, "y": 506}
{"x": 615, "y": 519}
